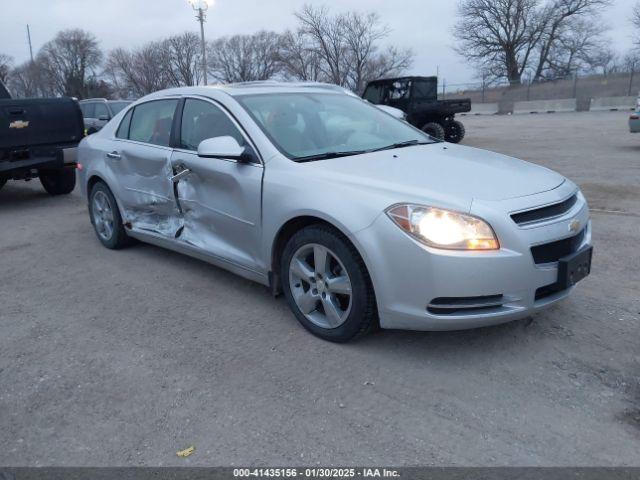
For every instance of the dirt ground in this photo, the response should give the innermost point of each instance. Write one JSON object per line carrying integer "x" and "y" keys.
{"x": 125, "y": 357}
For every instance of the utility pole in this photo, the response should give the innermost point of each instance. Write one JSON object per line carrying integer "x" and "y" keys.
{"x": 29, "y": 39}
{"x": 201, "y": 7}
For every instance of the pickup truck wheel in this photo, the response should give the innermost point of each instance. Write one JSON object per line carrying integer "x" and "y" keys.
{"x": 106, "y": 218}
{"x": 454, "y": 132}
{"x": 327, "y": 286}
{"x": 434, "y": 129}
{"x": 58, "y": 182}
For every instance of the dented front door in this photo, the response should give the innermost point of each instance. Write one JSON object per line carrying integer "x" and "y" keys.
{"x": 219, "y": 199}
{"x": 220, "y": 204}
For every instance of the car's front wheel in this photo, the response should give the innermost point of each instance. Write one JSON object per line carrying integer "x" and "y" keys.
{"x": 106, "y": 218}
{"x": 327, "y": 286}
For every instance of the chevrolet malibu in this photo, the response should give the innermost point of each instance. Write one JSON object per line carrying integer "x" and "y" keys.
{"x": 358, "y": 218}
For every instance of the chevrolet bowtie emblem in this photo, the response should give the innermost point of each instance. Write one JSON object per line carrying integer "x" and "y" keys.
{"x": 19, "y": 124}
{"x": 574, "y": 225}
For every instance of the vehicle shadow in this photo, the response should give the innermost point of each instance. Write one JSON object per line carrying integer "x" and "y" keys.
{"x": 438, "y": 344}
{"x": 17, "y": 194}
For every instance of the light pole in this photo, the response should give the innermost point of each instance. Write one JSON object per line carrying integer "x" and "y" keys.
{"x": 201, "y": 7}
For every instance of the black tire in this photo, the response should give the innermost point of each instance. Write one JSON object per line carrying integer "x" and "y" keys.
{"x": 3, "y": 182}
{"x": 362, "y": 317}
{"x": 58, "y": 182}
{"x": 118, "y": 238}
{"x": 454, "y": 132}
{"x": 434, "y": 129}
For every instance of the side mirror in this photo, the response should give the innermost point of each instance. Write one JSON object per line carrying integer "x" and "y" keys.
{"x": 225, "y": 147}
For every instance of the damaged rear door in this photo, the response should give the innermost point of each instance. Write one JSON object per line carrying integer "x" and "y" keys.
{"x": 141, "y": 161}
{"x": 219, "y": 199}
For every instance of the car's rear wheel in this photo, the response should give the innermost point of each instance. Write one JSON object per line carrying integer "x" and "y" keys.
{"x": 454, "y": 132}
{"x": 58, "y": 182}
{"x": 327, "y": 286}
{"x": 106, "y": 218}
{"x": 434, "y": 129}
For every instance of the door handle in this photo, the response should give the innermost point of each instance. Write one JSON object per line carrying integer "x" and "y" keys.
{"x": 180, "y": 175}
{"x": 115, "y": 155}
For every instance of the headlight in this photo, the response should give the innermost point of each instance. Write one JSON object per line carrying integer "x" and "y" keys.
{"x": 443, "y": 228}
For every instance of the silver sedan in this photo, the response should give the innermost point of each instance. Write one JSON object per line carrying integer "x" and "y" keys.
{"x": 359, "y": 219}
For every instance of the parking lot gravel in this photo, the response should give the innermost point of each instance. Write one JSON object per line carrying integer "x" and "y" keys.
{"x": 125, "y": 357}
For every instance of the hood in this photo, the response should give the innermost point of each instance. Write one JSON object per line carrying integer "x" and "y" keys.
{"x": 442, "y": 170}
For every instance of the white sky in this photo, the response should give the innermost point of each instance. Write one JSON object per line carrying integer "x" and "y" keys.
{"x": 424, "y": 25}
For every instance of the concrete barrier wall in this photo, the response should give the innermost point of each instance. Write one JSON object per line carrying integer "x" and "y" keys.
{"x": 613, "y": 103}
{"x": 545, "y": 106}
{"x": 483, "y": 109}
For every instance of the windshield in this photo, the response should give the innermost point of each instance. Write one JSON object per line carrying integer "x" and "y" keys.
{"x": 325, "y": 125}
{"x": 117, "y": 106}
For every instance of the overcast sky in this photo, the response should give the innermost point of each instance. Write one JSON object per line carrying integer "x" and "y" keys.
{"x": 423, "y": 25}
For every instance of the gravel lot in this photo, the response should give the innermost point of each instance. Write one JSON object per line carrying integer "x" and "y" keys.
{"x": 123, "y": 358}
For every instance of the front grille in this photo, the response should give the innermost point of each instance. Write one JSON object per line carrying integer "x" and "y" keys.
{"x": 464, "y": 305}
{"x": 554, "y": 251}
{"x": 545, "y": 213}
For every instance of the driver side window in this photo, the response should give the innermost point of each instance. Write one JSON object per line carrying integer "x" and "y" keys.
{"x": 202, "y": 120}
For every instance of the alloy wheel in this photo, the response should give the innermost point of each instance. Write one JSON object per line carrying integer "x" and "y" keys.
{"x": 102, "y": 215}
{"x": 320, "y": 285}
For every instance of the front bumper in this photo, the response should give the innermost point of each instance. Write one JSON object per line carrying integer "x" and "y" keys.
{"x": 412, "y": 280}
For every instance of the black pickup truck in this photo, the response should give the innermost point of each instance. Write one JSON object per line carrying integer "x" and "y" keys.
{"x": 38, "y": 139}
{"x": 417, "y": 97}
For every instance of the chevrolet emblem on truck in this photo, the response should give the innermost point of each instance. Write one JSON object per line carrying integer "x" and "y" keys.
{"x": 19, "y": 124}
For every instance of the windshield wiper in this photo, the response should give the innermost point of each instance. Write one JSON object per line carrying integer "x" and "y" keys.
{"x": 327, "y": 155}
{"x": 408, "y": 143}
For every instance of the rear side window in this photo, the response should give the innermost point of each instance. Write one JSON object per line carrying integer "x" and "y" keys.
{"x": 151, "y": 122}
{"x": 202, "y": 120}
{"x": 100, "y": 111}
{"x": 87, "y": 109}
{"x": 123, "y": 129}
{"x": 373, "y": 93}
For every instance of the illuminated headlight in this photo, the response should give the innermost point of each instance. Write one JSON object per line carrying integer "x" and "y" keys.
{"x": 444, "y": 228}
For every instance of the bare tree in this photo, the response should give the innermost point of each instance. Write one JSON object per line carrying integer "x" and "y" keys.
{"x": 505, "y": 38}
{"x": 578, "y": 42}
{"x": 6, "y": 62}
{"x": 29, "y": 79}
{"x": 69, "y": 60}
{"x": 605, "y": 61}
{"x": 299, "y": 59}
{"x": 140, "y": 71}
{"x": 362, "y": 34}
{"x": 499, "y": 36}
{"x": 243, "y": 58}
{"x": 560, "y": 29}
{"x": 182, "y": 52}
{"x": 342, "y": 48}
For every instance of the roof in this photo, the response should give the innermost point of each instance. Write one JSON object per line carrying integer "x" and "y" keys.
{"x": 394, "y": 79}
{"x": 259, "y": 87}
{"x": 103, "y": 100}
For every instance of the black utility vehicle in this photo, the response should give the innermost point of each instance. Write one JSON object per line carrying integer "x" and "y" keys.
{"x": 417, "y": 97}
{"x": 38, "y": 139}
